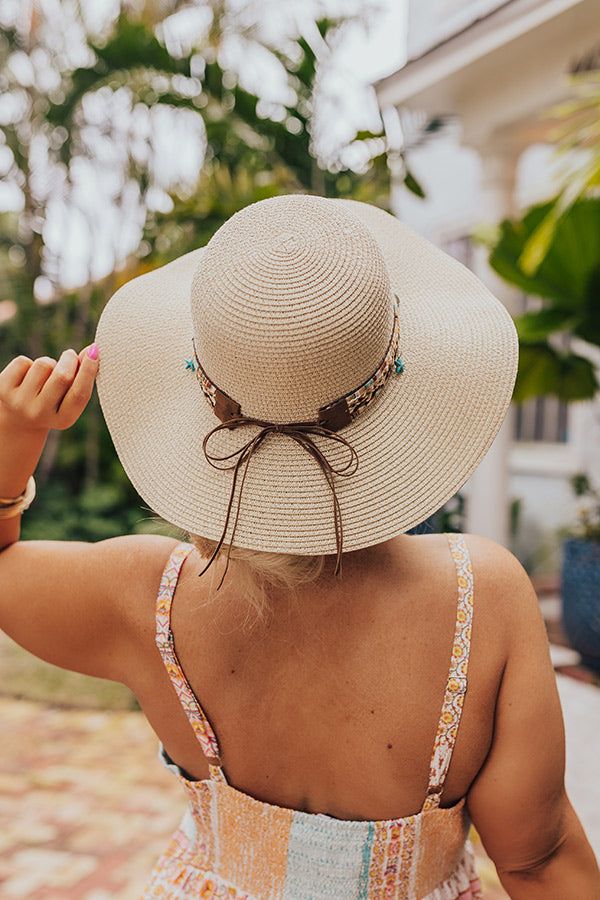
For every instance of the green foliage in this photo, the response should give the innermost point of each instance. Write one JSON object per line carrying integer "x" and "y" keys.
{"x": 588, "y": 519}
{"x": 132, "y": 47}
{"x": 411, "y": 183}
{"x": 83, "y": 492}
{"x": 577, "y": 128}
{"x": 250, "y": 158}
{"x": 569, "y": 270}
{"x": 545, "y": 370}
{"x": 568, "y": 281}
{"x": 553, "y": 253}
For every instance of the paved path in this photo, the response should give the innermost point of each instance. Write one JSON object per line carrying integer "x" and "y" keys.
{"x": 86, "y": 808}
{"x": 581, "y": 711}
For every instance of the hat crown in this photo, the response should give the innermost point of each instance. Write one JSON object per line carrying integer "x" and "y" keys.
{"x": 291, "y": 306}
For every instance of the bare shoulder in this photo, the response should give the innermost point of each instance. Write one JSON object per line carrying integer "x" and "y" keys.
{"x": 499, "y": 573}
{"x": 71, "y": 603}
{"x": 140, "y": 560}
{"x": 503, "y": 591}
{"x": 131, "y": 566}
{"x": 139, "y": 549}
{"x": 493, "y": 564}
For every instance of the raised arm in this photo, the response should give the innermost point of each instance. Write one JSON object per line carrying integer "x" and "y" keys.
{"x": 518, "y": 802}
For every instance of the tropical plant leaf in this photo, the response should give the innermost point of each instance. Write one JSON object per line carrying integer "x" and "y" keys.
{"x": 577, "y": 128}
{"x": 411, "y": 183}
{"x": 578, "y": 378}
{"x": 588, "y": 325}
{"x": 538, "y": 373}
{"x": 543, "y": 370}
{"x": 538, "y": 243}
{"x": 537, "y": 326}
{"x": 570, "y": 261}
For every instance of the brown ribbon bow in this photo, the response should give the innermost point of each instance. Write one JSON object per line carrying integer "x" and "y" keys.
{"x": 302, "y": 433}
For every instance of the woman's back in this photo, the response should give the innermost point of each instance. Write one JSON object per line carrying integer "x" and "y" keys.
{"x": 332, "y": 705}
{"x": 348, "y": 705}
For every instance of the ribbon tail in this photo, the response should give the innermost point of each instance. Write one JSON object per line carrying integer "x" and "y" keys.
{"x": 248, "y": 456}
{"x": 303, "y": 433}
{"x": 215, "y": 552}
{"x": 245, "y": 455}
{"x": 310, "y": 446}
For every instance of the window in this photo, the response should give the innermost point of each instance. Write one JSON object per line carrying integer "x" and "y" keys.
{"x": 541, "y": 419}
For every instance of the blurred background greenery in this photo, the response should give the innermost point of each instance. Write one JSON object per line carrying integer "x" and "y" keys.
{"x": 99, "y": 100}
{"x": 87, "y": 109}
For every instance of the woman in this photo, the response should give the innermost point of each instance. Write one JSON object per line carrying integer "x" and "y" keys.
{"x": 302, "y": 392}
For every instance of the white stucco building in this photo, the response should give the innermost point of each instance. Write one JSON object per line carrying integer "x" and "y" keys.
{"x": 497, "y": 65}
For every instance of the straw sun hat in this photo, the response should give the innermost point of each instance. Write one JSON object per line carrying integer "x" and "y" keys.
{"x": 396, "y": 359}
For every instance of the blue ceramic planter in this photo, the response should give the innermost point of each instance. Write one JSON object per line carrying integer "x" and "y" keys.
{"x": 580, "y": 591}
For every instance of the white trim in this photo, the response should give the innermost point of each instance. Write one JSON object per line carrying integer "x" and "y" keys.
{"x": 486, "y": 35}
{"x": 542, "y": 459}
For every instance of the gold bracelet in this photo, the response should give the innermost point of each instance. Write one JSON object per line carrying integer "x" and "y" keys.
{"x": 13, "y": 506}
{"x": 8, "y": 501}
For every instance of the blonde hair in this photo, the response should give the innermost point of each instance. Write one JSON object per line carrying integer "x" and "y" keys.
{"x": 260, "y": 574}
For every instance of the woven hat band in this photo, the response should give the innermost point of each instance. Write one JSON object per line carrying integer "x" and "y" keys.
{"x": 334, "y": 415}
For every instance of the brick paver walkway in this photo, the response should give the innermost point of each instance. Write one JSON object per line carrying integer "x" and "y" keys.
{"x": 85, "y": 807}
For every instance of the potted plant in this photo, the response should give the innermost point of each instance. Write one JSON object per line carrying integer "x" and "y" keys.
{"x": 580, "y": 576}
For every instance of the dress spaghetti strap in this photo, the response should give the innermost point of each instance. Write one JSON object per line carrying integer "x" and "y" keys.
{"x": 166, "y": 645}
{"x": 456, "y": 685}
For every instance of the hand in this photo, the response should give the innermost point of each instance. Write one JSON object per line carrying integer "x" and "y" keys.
{"x": 36, "y": 395}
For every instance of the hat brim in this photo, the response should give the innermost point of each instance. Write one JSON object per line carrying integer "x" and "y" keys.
{"x": 417, "y": 442}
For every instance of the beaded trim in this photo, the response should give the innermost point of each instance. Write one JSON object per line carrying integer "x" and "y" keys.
{"x": 208, "y": 388}
{"x": 342, "y": 410}
{"x": 363, "y": 394}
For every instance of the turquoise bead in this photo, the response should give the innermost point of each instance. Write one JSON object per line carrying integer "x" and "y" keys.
{"x": 399, "y": 363}
{"x": 189, "y": 364}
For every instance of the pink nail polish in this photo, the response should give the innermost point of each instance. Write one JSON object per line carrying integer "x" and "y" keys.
{"x": 93, "y": 351}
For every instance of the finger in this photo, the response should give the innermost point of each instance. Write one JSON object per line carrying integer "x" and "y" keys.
{"x": 13, "y": 374}
{"x": 39, "y": 372}
{"x": 78, "y": 395}
{"x": 60, "y": 380}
